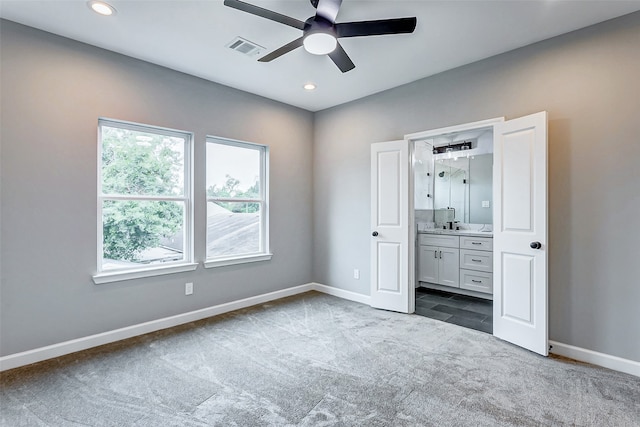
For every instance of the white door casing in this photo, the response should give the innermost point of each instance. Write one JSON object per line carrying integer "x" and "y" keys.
{"x": 520, "y": 222}
{"x": 390, "y": 263}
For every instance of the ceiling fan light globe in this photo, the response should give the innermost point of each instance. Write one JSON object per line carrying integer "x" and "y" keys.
{"x": 320, "y": 43}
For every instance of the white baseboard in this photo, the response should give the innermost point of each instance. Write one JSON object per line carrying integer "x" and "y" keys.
{"x": 601, "y": 359}
{"x": 56, "y": 350}
{"x": 341, "y": 293}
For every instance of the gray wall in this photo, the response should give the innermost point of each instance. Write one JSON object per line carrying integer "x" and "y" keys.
{"x": 53, "y": 91}
{"x": 588, "y": 82}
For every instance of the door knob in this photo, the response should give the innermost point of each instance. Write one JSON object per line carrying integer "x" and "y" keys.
{"x": 535, "y": 245}
{"x": 374, "y": 234}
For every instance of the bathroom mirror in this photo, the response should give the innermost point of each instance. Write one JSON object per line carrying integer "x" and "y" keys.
{"x": 464, "y": 184}
{"x": 450, "y": 187}
{"x": 455, "y": 171}
{"x": 481, "y": 189}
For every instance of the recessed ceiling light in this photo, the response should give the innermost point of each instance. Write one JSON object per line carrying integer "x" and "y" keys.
{"x": 309, "y": 86}
{"x": 101, "y": 7}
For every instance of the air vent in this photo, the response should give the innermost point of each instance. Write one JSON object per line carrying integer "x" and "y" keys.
{"x": 245, "y": 47}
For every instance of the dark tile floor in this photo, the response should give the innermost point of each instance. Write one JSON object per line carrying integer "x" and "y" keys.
{"x": 470, "y": 312}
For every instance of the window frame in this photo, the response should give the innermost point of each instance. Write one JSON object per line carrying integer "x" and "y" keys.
{"x": 264, "y": 254}
{"x": 187, "y": 263}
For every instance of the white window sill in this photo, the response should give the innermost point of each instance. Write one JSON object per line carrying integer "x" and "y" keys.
{"x": 117, "y": 276}
{"x": 221, "y": 262}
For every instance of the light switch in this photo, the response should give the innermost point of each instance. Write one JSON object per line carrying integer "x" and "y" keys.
{"x": 485, "y": 203}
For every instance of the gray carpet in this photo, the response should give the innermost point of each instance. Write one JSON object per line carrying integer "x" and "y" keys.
{"x": 316, "y": 360}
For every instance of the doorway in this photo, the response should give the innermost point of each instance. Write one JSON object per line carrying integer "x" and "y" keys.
{"x": 453, "y": 209}
{"x": 519, "y": 282}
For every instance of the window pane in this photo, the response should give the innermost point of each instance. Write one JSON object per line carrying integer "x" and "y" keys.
{"x": 233, "y": 172}
{"x": 141, "y": 232}
{"x": 141, "y": 163}
{"x": 232, "y": 229}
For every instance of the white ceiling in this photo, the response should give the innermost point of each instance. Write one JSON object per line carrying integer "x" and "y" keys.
{"x": 190, "y": 36}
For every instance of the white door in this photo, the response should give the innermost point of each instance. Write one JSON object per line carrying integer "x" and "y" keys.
{"x": 520, "y": 232}
{"x": 389, "y": 226}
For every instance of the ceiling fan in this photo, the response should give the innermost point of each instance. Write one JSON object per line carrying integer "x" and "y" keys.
{"x": 321, "y": 31}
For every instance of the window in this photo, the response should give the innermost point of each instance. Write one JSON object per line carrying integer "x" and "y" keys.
{"x": 237, "y": 211}
{"x": 144, "y": 199}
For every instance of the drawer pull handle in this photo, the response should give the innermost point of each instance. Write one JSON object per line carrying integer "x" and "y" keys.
{"x": 476, "y": 260}
{"x": 476, "y": 243}
{"x": 476, "y": 281}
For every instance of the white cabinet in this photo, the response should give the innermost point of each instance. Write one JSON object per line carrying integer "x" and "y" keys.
{"x": 449, "y": 267}
{"x": 476, "y": 260}
{"x": 463, "y": 262}
{"x": 476, "y": 281}
{"x": 428, "y": 264}
{"x": 439, "y": 259}
{"x": 476, "y": 264}
{"x": 476, "y": 243}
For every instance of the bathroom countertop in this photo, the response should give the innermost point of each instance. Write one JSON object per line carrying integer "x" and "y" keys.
{"x": 474, "y": 233}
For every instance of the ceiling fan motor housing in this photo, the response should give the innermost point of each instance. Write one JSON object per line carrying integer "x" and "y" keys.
{"x": 317, "y": 24}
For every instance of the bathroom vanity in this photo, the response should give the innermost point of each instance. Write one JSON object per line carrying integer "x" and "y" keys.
{"x": 456, "y": 261}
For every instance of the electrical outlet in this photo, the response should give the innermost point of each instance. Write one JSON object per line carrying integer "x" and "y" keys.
{"x": 485, "y": 203}
{"x": 356, "y": 273}
{"x": 188, "y": 288}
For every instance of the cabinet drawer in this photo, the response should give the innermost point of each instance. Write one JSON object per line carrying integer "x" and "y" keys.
{"x": 439, "y": 240}
{"x": 476, "y": 281}
{"x": 476, "y": 260}
{"x": 477, "y": 243}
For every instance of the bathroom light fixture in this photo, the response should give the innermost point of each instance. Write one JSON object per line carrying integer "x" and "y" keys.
{"x": 309, "y": 86}
{"x": 466, "y": 145}
{"x": 101, "y": 7}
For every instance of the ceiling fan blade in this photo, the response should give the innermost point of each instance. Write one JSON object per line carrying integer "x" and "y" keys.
{"x": 281, "y": 51}
{"x": 376, "y": 28}
{"x": 341, "y": 59}
{"x": 264, "y": 13}
{"x": 328, "y": 9}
